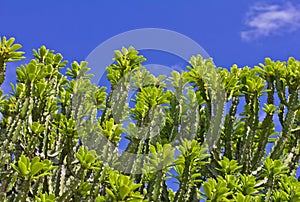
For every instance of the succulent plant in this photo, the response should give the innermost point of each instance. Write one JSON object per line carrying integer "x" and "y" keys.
{"x": 60, "y": 133}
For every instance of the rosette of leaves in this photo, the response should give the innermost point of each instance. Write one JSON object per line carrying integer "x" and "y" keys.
{"x": 121, "y": 188}
{"x": 8, "y": 53}
{"x": 30, "y": 171}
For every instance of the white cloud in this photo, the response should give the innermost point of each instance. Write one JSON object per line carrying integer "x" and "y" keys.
{"x": 266, "y": 19}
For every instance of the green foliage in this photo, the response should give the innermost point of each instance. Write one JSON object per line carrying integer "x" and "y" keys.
{"x": 60, "y": 133}
{"x": 228, "y": 166}
{"x": 8, "y": 53}
{"x": 126, "y": 61}
{"x": 46, "y": 198}
{"x": 121, "y": 188}
{"x": 34, "y": 169}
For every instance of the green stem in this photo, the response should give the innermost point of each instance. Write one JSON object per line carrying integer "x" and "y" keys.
{"x": 2, "y": 71}
{"x": 23, "y": 194}
{"x": 229, "y": 128}
{"x": 277, "y": 149}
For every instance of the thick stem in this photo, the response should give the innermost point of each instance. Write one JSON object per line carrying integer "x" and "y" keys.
{"x": 277, "y": 149}
{"x": 229, "y": 128}
{"x": 2, "y": 71}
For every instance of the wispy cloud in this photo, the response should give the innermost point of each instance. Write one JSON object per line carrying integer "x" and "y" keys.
{"x": 270, "y": 19}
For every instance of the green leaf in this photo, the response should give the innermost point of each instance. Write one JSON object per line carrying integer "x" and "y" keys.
{"x": 123, "y": 191}
{"x": 23, "y": 168}
{"x": 89, "y": 158}
{"x": 36, "y": 167}
{"x": 110, "y": 192}
{"x": 15, "y": 47}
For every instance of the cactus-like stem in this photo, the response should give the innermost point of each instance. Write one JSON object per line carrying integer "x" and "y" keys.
{"x": 184, "y": 185}
{"x": 2, "y": 71}
{"x": 286, "y": 131}
{"x": 107, "y": 111}
{"x": 292, "y": 157}
{"x": 250, "y": 128}
{"x": 280, "y": 88}
{"x": 140, "y": 160}
{"x": 216, "y": 124}
{"x": 155, "y": 187}
{"x": 97, "y": 181}
{"x": 228, "y": 130}
{"x": 266, "y": 128}
{"x": 60, "y": 176}
{"x": 282, "y": 97}
{"x": 119, "y": 102}
{"x": 23, "y": 192}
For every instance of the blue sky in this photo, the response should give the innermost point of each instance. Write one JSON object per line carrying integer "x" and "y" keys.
{"x": 242, "y": 32}
{"x": 239, "y": 31}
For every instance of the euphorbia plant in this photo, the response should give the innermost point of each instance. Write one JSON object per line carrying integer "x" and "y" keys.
{"x": 60, "y": 133}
